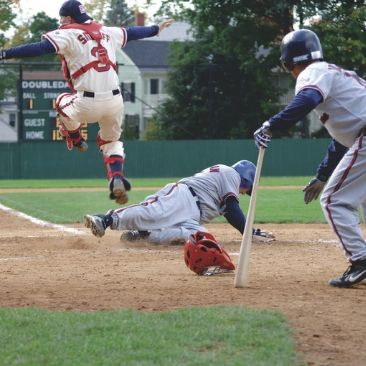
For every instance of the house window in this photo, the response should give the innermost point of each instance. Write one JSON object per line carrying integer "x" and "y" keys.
{"x": 12, "y": 119}
{"x": 128, "y": 92}
{"x": 154, "y": 86}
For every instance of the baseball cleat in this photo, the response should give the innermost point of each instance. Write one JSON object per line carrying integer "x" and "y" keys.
{"x": 354, "y": 274}
{"x": 118, "y": 191}
{"x": 96, "y": 224}
{"x": 82, "y": 146}
{"x": 134, "y": 235}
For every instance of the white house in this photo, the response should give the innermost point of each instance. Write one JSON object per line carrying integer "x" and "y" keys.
{"x": 143, "y": 71}
{"x": 8, "y": 120}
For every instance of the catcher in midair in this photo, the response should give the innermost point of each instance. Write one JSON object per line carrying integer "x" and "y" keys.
{"x": 88, "y": 53}
{"x": 180, "y": 209}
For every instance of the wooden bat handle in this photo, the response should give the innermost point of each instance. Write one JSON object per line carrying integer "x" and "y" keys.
{"x": 241, "y": 275}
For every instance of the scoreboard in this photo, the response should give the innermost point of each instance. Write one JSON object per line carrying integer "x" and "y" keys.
{"x": 38, "y": 118}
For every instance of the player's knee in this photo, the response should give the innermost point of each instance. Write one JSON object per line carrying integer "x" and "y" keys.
{"x": 109, "y": 148}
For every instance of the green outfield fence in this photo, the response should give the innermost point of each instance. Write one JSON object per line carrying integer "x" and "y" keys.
{"x": 42, "y": 160}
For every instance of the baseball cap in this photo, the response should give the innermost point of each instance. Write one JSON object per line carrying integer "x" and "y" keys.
{"x": 75, "y": 10}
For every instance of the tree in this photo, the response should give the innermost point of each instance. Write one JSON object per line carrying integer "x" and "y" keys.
{"x": 32, "y": 32}
{"x": 220, "y": 84}
{"x": 342, "y": 32}
{"x": 118, "y": 14}
{"x": 97, "y": 8}
{"x": 7, "y": 74}
{"x": 7, "y": 16}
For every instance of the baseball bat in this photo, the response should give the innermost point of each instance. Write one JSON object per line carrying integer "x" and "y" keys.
{"x": 241, "y": 276}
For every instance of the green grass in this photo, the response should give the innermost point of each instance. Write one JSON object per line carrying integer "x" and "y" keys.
{"x": 273, "y": 206}
{"x": 78, "y": 183}
{"x": 191, "y": 336}
{"x": 65, "y": 207}
{"x": 137, "y": 182}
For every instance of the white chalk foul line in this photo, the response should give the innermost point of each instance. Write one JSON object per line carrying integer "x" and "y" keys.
{"x": 310, "y": 241}
{"x": 42, "y": 223}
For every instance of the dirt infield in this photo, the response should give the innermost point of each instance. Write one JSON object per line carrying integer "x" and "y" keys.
{"x": 42, "y": 267}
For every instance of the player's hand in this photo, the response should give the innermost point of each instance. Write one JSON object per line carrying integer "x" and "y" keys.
{"x": 263, "y": 135}
{"x": 165, "y": 24}
{"x": 313, "y": 189}
{"x": 263, "y": 236}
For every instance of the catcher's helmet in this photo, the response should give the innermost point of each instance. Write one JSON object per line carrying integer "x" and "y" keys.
{"x": 299, "y": 47}
{"x": 202, "y": 251}
{"x": 75, "y": 10}
{"x": 246, "y": 170}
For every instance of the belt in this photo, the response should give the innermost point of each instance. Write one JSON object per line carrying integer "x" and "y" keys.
{"x": 194, "y": 194}
{"x": 92, "y": 94}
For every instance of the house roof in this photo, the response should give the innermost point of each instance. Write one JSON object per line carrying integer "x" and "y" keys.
{"x": 148, "y": 54}
{"x": 178, "y": 31}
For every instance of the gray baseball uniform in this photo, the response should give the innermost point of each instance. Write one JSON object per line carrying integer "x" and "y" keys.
{"x": 343, "y": 113}
{"x": 179, "y": 209}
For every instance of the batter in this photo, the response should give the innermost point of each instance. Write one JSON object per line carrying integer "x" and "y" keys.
{"x": 338, "y": 96}
{"x": 88, "y": 53}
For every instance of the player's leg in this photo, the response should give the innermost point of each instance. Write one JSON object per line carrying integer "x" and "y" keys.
{"x": 340, "y": 201}
{"x": 69, "y": 126}
{"x": 108, "y": 141}
{"x": 178, "y": 234}
{"x": 114, "y": 157}
{"x": 174, "y": 204}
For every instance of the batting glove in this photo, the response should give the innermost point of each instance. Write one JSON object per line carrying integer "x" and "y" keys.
{"x": 313, "y": 189}
{"x": 262, "y": 236}
{"x": 263, "y": 135}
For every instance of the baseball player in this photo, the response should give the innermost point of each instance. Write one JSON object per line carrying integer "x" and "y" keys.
{"x": 179, "y": 209}
{"x": 338, "y": 96}
{"x": 88, "y": 53}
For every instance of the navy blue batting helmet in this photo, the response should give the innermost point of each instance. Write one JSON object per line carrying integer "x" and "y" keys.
{"x": 299, "y": 47}
{"x": 246, "y": 170}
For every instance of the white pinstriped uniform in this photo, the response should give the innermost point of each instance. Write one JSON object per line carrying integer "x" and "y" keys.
{"x": 107, "y": 109}
{"x": 343, "y": 113}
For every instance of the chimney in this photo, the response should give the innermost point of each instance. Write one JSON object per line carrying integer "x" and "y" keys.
{"x": 139, "y": 18}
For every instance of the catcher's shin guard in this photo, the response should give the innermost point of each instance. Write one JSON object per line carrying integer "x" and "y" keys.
{"x": 73, "y": 138}
{"x": 118, "y": 184}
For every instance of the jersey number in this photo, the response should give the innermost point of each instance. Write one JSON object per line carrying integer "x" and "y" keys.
{"x": 98, "y": 68}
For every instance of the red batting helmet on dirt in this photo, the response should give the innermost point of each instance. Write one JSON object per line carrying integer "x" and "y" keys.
{"x": 202, "y": 251}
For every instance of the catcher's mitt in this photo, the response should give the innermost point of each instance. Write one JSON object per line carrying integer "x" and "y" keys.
{"x": 202, "y": 251}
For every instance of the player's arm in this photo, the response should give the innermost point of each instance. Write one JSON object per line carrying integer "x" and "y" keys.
{"x": 303, "y": 103}
{"x": 43, "y": 47}
{"x": 233, "y": 214}
{"x": 236, "y": 218}
{"x": 325, "y": 169}
{"x": 334, "y": 155}
{"x": 140, "y": 32}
